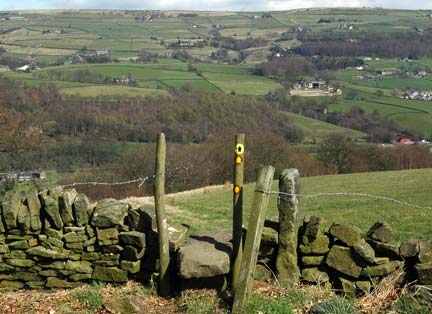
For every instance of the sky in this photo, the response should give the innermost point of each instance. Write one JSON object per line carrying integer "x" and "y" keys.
{"x": 224, "y": 5}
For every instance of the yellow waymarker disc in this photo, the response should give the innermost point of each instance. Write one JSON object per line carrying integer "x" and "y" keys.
{"x": 237, "y": 189}
{"x": 239, "y": 149}
{"x": 238, "y": 160}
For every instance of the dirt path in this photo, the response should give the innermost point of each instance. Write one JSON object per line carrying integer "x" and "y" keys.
{"x": 170, "y": 200}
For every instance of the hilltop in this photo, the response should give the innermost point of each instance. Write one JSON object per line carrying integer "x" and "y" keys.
{"x": 100, "y": 84}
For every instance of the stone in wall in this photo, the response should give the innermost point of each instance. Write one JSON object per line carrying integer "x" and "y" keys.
{"x": 314, "y": 240}
{"x": 385, "y": 249}
{"x": 66, "y": 202}
{"x": 348, "y": 235}
{"x": 81, "y": 209}
{"x": 381, "y": 270}
{"x": 50, "y": 201}
{"x": 109, "y": 213}
{"x": 34, "y": 206}
{"x": 315, "y": 275}
{"x": 313, "y": 247}
{"x": 205, "y": 255}
{"x": 381, "y": 232}
{"x": 12, "y": 204}
{"x": 365, "y": 251}
{"x": 345, "y": 261}
{"x": 269, "y": 244}
{"x": 424, "y": 272}
{"x": 409, "y": 248}
{"x": 313, "y": 227}
{"x": 425, "y": 251}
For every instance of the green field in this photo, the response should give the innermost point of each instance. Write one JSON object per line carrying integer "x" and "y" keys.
{"x": 52, "y": 37}
{"x": 124, "y": 33}
{"x": 315, "y": 130}
{"x": 414, "y": 115}
{"x": 91, "y": 91}
{"x": 166, "y": 75}
{"x": 214, "y": 209}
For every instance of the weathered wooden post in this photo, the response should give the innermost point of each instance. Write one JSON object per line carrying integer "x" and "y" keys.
{"x": 162, "y": 226}
{"x": 289, "y": 209}
{"x": 238, "y": 208}
{"x": 253, "y": 238}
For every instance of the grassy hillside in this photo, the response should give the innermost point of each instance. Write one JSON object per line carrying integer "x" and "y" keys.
{"x": 213, "y": 210}
{"x": 53, "y": 37}
{"x": 214, "y": 77}
{"x": 415, "y": 115}
{"x": 315, "y": 130}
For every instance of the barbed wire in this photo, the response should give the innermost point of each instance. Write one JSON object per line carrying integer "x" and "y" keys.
{"x": 141, "y": 181}
{"x": 325, "y": 194}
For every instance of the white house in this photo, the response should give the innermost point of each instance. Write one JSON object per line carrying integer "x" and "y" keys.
{"x": 25, "y": 68}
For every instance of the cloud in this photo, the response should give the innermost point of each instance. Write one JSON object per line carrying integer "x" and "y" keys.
{"x": 228, "y": 5}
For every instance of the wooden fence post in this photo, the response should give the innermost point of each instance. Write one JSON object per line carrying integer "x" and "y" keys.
{"x": 238, "y": 209}
{"x": 162, "y": 225}
{"x": 253, "y": 239}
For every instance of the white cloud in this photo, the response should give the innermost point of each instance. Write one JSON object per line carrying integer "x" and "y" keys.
{"x": 295, "y": 4}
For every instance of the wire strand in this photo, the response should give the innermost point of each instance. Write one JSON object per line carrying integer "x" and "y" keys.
{"x": 325, "y": 194}
{"x": 141, "y": 182}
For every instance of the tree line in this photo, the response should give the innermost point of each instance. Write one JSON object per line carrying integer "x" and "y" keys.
{"x": 373, "y": 44}
{"x": 42, "y": 129}
{"x": 194, "y": 166}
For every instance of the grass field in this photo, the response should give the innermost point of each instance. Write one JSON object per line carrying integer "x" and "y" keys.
{"x": 91, "y": 91}
{"x": 214, "y": 209}
{"x": 315, "y": 130}
{"x": 414, "y": 115}
{"x": 165, "y": 75}
{"x": 50, "y": 37}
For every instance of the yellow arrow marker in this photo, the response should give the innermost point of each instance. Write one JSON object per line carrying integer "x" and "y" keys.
{"x": 238, "y": 160}
{"x": 239, "y": 149}
{"x": 237, "y": 189}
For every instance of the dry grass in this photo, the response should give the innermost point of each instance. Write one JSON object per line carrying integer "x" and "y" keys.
{"x": 90, "y": 299}
{"x": 80, "y": 300}
{"x": 382, "y": 296}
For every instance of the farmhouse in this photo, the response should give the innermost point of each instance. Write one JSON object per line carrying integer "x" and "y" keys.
{"x": 363, "y": 77}
{"x": 26, "y": 68}
{"x": 4, "y": 69}
{"x": 314, "y": 88}
{"x": 418, "y": 95}
{"x": 346, "y": 26}
{"x": 389, "y": 72}
{"x": 406, "y": 59}
{"x": 279, "y": 46}
{"x": 122, "y": 80}
{"x": 93, "y": 53}
{"x": 312, "y": 84}
{"x": 186, "y": 43}
{"x": 24, "y": 176}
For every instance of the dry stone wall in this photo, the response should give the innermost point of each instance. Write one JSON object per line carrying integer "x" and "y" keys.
{"x": 349, "y": 260}
{"x": 57, "y": 239}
